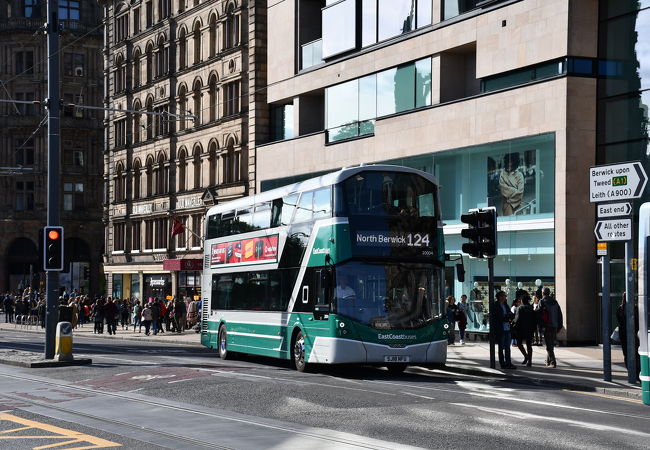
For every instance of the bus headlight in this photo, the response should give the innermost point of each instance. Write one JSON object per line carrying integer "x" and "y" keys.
{"x": 445, "y": 326}
{"x": 342, "y": 324}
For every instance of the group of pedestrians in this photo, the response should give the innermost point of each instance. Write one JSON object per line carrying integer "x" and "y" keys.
{"x": 523, "y": 322}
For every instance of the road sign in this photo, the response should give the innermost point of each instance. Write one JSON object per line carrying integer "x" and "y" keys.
{"x": 614, "y": 209}
{"x": 614, "y": 230}
{"x": 616, "y": 182}
{"x": 601, "y": 248}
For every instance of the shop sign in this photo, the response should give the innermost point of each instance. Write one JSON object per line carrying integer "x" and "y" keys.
{"x": 157, "y": 282}
{"x": 183, "y": 264}
{"x": 189, "y": 202}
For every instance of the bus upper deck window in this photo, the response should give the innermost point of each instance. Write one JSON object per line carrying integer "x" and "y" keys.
{"x": 262, "y": 216}
{"x": 322, "y": 203}
{"x": 213, "y": 226}
{"x": 288, "y": 208}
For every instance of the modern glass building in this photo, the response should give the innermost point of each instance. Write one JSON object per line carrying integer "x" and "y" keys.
{"x": 502, "y": 100}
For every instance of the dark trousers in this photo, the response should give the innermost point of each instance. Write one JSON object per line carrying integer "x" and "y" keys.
{"x": 550, "y": 333}
{"x": 147, "y": 325}
{"x": 503, "y": 342}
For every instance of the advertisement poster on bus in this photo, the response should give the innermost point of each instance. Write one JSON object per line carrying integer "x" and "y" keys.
{"x": 245, "y": 251}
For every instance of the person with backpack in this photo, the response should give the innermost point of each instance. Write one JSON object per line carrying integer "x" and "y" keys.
{"x": 552, "y": 320}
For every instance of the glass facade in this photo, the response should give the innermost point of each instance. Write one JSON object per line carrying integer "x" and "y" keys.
{"x": 352, "y": 107}
{"x": 623, "y": 104}
{"x": 339, "y": 28}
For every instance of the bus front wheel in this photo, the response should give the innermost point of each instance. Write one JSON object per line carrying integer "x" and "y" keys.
{"x": 298, "y": 353}
{"x": 223, "y": 343}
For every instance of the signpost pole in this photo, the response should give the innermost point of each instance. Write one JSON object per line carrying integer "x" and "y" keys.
{"x": 606, "y": 315}
{"x": 490, "y": 262}
{"x": 629, "y": 315}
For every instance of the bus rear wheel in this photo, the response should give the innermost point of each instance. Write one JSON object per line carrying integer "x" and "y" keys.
{"x": 298, "y": 353}
{"x": 396, "y": 369}
{"x": 223, "y": 343}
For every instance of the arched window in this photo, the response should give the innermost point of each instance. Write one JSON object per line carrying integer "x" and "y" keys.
{"x": 213, "y": 98}
{"x": 230, "y": 163}
{"x": 197, "y": 43}
{"x": 182, "y": 48}
{"x": 149, "y": 63}
{"x": 137, "y": 67}
{"x": 137, "y": 125}
{"x": 137, "y": 175}
{"x": 149, "y": 118}
{"x": 119, "y": 76}
{"x": 182, "y": 170}
{"x": 196, "y": 167}
{"x": 212, "y": 160}
{"x": 231, "y": 28}
{"x": 197, "y": 102}
{"x": 120, "y": 183}
{"x": 162, "y": 58}
{"x": 213, "y": 36}
{"x": 182, "y": 106}
{"x": 161, "y": 172}
{"x": 149, "y": 173}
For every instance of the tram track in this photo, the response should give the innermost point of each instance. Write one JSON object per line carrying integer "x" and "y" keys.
{"x": 177, "y": 408}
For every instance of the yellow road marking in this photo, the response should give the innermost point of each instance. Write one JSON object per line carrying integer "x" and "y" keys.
{"x": 58, "y": 433}
{"x": 612, "y": 397}
{"x": 13, "y": 430}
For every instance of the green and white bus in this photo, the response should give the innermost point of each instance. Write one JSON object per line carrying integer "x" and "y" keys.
{"x": 343, "y": 268}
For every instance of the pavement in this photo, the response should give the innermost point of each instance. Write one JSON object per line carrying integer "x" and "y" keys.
{"x": 578, "y": 368}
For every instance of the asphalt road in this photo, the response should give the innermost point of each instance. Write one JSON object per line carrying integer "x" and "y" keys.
{"x": 178, "y": 396}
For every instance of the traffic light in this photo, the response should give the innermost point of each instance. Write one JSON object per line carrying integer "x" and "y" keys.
{"x": 482, "y": 232}
{"x": 53, "y": 248}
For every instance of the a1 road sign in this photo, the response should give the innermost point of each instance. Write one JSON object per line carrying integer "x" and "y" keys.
{"x": 614, "y": 230}
{"x": 614, "y": 209}
{"x": 616, "y": 182}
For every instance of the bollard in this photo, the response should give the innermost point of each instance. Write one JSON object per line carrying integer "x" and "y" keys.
{"x": 63, "y": 343}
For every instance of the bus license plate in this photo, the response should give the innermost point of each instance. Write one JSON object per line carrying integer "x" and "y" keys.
{"x": 396, "y": 359}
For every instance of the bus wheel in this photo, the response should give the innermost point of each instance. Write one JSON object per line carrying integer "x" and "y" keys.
{"x": 223, "y": 343}
{"x": 298, "y": 354}
{"x": 396, "y": 368}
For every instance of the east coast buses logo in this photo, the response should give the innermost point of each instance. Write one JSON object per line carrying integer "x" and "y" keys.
{"x": 320, "y": 251}
{"x": 396, "y": 337}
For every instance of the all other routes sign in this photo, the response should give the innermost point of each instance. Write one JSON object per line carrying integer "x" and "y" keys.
{"x": 613, "y": 230}
{"x": 616, "y": 182}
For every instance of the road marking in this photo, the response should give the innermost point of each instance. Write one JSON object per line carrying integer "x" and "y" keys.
{"x": 419, "y": 396}
{"x": 577, "y": 423}
{"x": 612, "y": 397}
{"x": 74, "y": 437}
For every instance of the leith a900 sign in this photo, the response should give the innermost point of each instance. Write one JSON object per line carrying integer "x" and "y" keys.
{"x": 616, "y": 182}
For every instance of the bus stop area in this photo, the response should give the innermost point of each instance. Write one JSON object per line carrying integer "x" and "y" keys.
{"x": 578, "y": 368}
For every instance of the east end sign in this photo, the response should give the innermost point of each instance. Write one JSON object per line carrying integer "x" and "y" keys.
{"x": 183, "y": 264}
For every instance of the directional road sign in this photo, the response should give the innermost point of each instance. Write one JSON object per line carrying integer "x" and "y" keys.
{"x": 614, "y": 209}
{"x": 616, "y": 182}
{"x": 614, "y": 230}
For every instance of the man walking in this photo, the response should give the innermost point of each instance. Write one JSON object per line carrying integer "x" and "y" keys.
{"x": 8, "y": 305}
{"x": 501, "y": 324}
{"x": 552, "y": 322}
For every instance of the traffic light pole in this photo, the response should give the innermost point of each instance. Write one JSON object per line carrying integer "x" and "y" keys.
{"x": 53, "y": 166}
{"x": 490, "y": 262}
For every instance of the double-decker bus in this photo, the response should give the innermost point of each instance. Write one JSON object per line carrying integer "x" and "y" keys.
{"x": 343, "y": 268}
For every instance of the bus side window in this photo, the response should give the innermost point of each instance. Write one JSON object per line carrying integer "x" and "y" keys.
{"x": 288, "y": 208}
{"x": 226, "y": 224}
{"x": 276, "y": 212}
{"x": 305, "y": 207}
{"x": 213, "y": 226}
{"x": 262, "y": 216}
{"x": 322, "y": 203}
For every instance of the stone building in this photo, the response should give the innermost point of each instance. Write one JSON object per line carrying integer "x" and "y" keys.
{"x": 190, "y": 73}
{"x": 479, "y": 93}
{"x": 23, "y": 142}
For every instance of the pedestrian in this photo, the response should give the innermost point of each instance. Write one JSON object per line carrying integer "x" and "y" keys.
{"x": 621, "y": 318}
{"x": 552, "y": 320}
{"x": 147, "y": 318}
{"x": 155, "y": 315}
{"x": 461, "y": 317}
{"x": 137, "y": 313}
{"x": 538, "y": 314}
{"x": 8, "y": 305}
{"x": 513, "y": 309}
{"x": 525, "y": 324}
{"x": 75, "y": 312}
{"x": 41, "y": 312}
{"x": 179, "y": 315}
{"x": 97, "y": 314}
{"x": 501, "y": 329}
{"x": 111, "y": 314}
{"x": 451, "y": 319}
